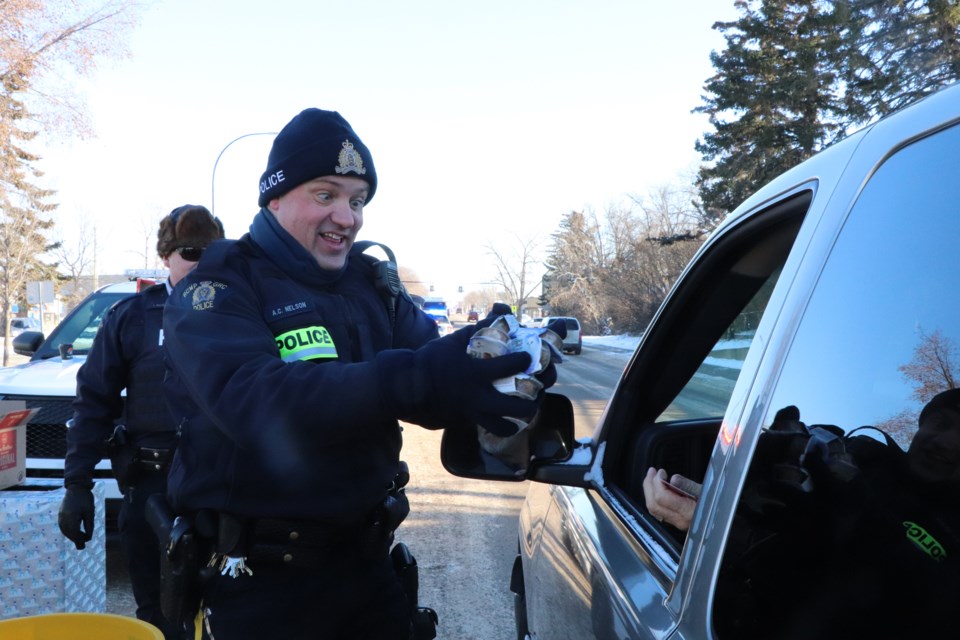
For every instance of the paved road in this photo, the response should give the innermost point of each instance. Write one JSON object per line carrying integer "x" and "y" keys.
{"x": 462, "y": 532}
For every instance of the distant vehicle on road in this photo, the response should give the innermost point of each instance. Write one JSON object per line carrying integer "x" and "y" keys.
{"x": 573, "y": 343}
{"x": 473, "y": 316}
{"x": 19, "y": 325}
{"x": 444, "y": 326}
{"x": 435, "y": 306}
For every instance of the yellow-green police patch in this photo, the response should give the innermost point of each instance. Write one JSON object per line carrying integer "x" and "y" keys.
{"x": 307, "y": 343}
{"x": 924, "y": 541}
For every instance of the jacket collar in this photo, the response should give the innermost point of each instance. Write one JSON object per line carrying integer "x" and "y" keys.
{"x": 289, "y": 255}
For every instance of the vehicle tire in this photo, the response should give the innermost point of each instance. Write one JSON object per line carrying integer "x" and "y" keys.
{"x": 519, "y": 598}
{"x": 520, "y": 616}
{"x": 576, "y": 351}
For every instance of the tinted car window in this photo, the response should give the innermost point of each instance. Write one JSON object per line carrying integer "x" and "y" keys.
{"x": 669, "y": 407}
{"x": 708, "y": 392}
{"x": 840, "y": 522}
{"x": 80, "y": 326}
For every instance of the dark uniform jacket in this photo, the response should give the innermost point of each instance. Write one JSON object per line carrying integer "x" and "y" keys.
{"x": 274, "y": 378}
{"x": 874, "y": 554}
{"x": 126, "y": 354}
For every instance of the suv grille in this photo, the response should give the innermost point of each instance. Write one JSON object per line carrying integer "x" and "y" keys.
{"x": 47, "y": 431}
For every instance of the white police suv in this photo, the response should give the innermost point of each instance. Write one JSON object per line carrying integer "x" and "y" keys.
{"x": 48, "y": 381}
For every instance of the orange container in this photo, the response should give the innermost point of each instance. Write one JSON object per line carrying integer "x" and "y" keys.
{"x": 78, "y": 626}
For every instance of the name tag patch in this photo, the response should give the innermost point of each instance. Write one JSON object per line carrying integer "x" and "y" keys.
{"x": 306, "y": 343}
{"x": 285, "y": 309}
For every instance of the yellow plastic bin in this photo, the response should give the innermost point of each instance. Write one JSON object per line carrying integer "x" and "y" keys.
{"x": 78, "y": 626}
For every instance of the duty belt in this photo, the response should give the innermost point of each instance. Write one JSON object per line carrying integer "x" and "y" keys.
{"x": 301, "y": 543}
{"x": 150, "y": 459}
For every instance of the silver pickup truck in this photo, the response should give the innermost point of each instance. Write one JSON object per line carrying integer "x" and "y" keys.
{"x": 802, "y": 371}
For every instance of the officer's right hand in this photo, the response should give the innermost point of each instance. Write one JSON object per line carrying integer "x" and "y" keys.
{"x": 77, "y": 509}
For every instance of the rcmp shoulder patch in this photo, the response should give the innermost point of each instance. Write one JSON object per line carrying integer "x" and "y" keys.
{"x": 202, "y": 295}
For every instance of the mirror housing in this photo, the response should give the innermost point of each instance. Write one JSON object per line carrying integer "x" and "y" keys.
{"x": 537, "y": 453}
{"x": 27, "y": 343}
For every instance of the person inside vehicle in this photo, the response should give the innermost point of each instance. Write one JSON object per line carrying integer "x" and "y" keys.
{"x": 856, "y": 530}
{"x": 290, "y": 364}
{"x": 127, "y": 355}
{"x": 671, "y": 499}
{"x": 932, "y": 462}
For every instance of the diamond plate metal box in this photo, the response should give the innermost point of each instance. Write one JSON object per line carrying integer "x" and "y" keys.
{"x": 40, "y": 570}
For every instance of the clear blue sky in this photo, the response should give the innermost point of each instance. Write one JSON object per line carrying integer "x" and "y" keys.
{"x": 486, "y": 120}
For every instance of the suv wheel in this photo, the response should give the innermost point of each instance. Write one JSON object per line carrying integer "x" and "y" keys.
{"x": 519, "y": 599}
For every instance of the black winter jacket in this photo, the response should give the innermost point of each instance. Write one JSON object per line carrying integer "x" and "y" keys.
{"x": 272, "y": 374}
{"x": 126, "y": 354}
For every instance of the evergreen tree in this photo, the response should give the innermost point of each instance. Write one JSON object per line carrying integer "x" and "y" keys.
{"x": 772, "y": 102}
{"x": 22, "y": 203}
{"x": 575, "y": 265}
{"x": 894, "y": 52}
{"x": 798, "y": 75}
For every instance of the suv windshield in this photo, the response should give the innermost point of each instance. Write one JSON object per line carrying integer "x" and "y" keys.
{"x": 80, "y": 326}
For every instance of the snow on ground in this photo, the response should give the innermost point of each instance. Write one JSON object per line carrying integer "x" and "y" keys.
{"x": 625, "y": 342}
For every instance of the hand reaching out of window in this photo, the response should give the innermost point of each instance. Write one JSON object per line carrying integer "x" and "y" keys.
{"x": 671, "y": 499}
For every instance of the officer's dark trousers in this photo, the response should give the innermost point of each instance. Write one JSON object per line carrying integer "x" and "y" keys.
{"x": 142, "y": 550}
{"x": 349, "y": 598}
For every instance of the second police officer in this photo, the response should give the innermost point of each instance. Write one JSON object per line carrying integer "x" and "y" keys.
{"x": 126, "y": 354}
{"x": 290, "y": 369}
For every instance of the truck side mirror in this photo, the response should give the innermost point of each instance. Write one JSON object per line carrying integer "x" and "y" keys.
{"x": 27, "y": 343}
{"x": 549, "y": 438}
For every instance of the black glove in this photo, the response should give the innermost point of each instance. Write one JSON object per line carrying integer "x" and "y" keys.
{"x": 498, "y": 309}
{"x": 77, "y": 509}
{"x": 439, "y": 385}
{"x": 547, "y": 377}
{"x": 559, "y": 327}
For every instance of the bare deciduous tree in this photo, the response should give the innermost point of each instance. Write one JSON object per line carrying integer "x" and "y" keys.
{"x": 45, "y": 40}
{"x": 38, "y": 42}
{"x": 412, "y": 282}
{"x": 934, "y": 368}
{"x": 76, "y": 257}
{"x": 517, "y": 269}
{"x": 482, "y": 300}
{"x": 615, "y": 272}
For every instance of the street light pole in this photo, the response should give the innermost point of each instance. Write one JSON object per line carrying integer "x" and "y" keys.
{"x": 213, "y": 178}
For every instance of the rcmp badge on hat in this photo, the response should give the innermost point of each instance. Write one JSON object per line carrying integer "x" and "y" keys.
{"x": 349, "y": 160}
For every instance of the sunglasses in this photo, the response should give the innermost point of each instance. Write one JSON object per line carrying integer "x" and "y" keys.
{"x": 190, "y": 254}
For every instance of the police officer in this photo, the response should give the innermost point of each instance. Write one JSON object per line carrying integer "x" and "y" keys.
{"x": 127, "y": 354}
{"x": 289, "y": 371}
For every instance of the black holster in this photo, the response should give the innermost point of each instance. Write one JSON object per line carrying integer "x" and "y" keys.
{"x": 180, "y": 562}
{"x": 423, "y": 620}
{"x": 121, "y": 453}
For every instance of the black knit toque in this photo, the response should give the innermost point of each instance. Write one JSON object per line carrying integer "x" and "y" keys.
{"x": 315, "y": 143}
{"x": 949, "y": 399}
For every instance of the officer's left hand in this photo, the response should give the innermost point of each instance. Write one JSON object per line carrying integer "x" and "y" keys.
{"x": 76, "y": 509}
